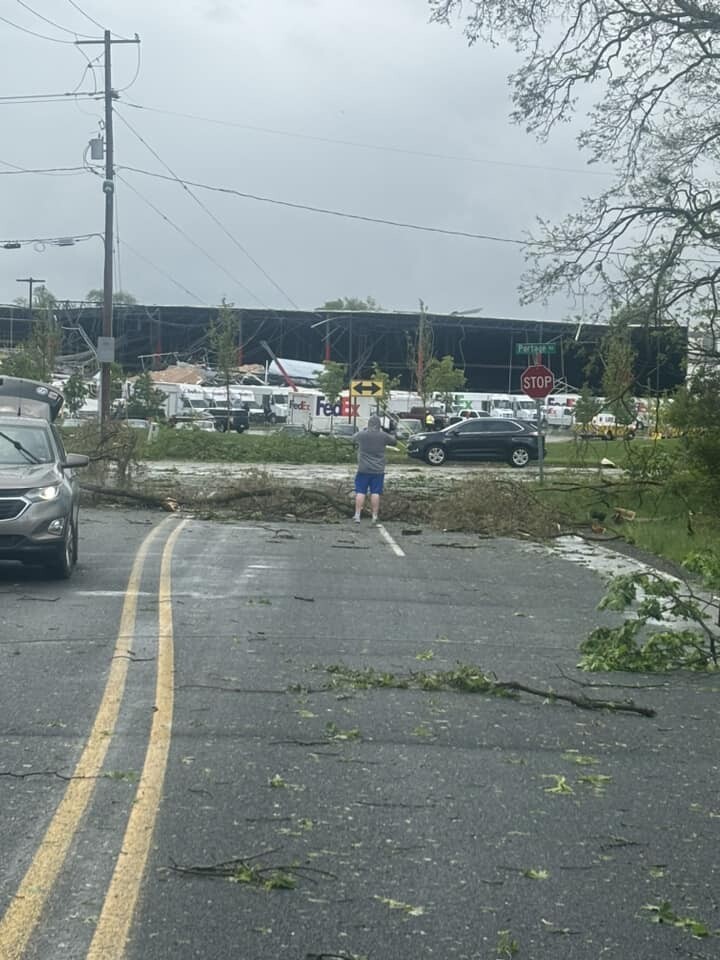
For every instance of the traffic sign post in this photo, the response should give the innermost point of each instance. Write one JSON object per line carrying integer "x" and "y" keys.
{"x": 537, "y": 382}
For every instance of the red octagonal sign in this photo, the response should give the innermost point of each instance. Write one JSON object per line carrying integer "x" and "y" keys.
{"x": 537, "y": 382}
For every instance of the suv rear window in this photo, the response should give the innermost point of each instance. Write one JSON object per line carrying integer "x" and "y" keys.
{"x": 35, "y": 444}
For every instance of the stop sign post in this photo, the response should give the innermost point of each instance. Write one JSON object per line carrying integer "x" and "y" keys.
{"x": 537, "y": 382}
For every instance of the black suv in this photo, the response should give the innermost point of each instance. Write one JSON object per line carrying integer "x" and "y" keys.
{"x": 485, "y": 438}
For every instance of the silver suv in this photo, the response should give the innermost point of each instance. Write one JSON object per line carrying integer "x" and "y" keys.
{"x": 39, "y": 490}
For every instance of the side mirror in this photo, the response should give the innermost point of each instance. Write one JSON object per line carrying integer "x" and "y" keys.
{"x": 75, "y": 460}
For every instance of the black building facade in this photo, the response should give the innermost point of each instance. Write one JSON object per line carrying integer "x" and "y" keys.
{"x": 485, "y": 347}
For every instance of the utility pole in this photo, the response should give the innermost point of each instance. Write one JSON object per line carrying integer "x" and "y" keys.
{"x": 106, "y": 347}
{"x": 30, "y": 281}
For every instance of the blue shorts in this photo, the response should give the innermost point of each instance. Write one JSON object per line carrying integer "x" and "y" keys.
{"x": 369, "y": 481}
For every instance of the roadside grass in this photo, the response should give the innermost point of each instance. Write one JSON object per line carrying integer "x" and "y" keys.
{"x": 673, "y": 515}
{"x": 246, "y": 448}
{"x": 671, "y": 519}
{"x": 623, "y": 453}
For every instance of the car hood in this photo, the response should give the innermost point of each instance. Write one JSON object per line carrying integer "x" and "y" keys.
{"x": 428, "y": 435}
{"x": 28, "y": 475}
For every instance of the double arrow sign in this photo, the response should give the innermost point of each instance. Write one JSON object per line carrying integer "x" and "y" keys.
{"x": 366, "y": 388}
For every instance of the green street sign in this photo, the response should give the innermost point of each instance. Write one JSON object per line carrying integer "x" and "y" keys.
{"x": 525, "y": 349}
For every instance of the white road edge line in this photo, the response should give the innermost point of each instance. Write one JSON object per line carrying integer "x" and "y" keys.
{"x": 398, "y": 551}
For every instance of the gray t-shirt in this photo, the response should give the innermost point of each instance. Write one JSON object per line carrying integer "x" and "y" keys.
{"x": 371, "y": 450}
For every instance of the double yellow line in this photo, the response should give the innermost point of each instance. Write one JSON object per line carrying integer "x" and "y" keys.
{"x": 111, "y": 932}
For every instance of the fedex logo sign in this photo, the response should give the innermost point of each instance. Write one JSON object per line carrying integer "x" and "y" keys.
{"x": 343, "y": 408}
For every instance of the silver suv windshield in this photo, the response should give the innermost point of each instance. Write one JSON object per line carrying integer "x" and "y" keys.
{"x": 24, "y": 443}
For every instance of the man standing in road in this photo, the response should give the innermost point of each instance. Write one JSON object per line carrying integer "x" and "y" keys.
{"x": 370, "y": 475}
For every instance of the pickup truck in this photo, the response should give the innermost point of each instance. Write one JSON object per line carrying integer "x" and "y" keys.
{"x": 238, "y": 417}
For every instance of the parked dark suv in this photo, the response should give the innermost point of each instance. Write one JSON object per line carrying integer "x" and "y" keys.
{"x": 39, "y": 492}
{"x": 486, "y": 438}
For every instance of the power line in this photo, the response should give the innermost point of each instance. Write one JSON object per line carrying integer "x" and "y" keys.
{"x": 92, "y": 20}
{"x": 190, "y": 240}
{"x": 117, "y": 241}
{"x": 177, "y": 283}
{"x": 331, "y": 213}
{"x": 371, "y": 146}
{"x": 57, "y": 171}
{"x": 84, "y": 14}
{"x": 209, "y": 212}
{"x": 60, "y": 241}
{"x": 52, "y": 23}
{"x": 33, "y": 33}
{"x": 25, "y": 98}
{"x": 137, "y": 72}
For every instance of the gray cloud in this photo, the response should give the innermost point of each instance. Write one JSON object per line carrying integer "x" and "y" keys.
{"x": 374, "y": 73}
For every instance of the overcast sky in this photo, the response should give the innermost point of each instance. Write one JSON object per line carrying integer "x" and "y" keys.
{"x": 374, "y": 72}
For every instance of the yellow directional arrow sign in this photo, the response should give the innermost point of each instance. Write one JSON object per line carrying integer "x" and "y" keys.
{"x": 367, "y": 388}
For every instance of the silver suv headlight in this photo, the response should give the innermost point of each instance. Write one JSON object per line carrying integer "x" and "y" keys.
{"x": 44, "y": 493}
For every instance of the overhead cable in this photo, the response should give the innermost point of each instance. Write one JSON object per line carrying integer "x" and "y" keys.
{"x": 371, "y": 146}
{"x": 190, "y": 240}
{"x": 177, "y": 283}
{"x": 50, "y": 171}
{"x": 33, "y": 33}
{"x": 209, "y": 212}
{"x": 52, "y": 23}
{"x": 328, "y": 212}
{"x": 86, "y": 15}
{"x": 25, "y": 98}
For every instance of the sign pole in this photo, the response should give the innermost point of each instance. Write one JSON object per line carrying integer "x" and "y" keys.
{"x": 541, "y": 437}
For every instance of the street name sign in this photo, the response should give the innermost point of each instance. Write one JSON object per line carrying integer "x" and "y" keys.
{"x": 529, "y": 349}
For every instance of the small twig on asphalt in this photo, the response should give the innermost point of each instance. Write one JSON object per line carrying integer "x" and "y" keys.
{"x": 617, "y": 686}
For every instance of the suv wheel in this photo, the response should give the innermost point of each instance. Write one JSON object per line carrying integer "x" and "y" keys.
{"x": 435, "y": 455}
{"x": 520, "y": 457}
{"x": 63, "y": 563}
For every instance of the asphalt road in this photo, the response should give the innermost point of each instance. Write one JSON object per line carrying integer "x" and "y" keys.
{"x": 181, "y": 718}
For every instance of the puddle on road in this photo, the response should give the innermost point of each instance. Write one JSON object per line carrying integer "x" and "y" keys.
{"x": 595, "y": 557}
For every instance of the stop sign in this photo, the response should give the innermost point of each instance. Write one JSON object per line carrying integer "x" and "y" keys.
{"x": 537, "y": 381}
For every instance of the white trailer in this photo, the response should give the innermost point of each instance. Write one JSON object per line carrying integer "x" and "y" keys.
{"x": 273, "y": 400}
{"x": 312, "y": 409}
{"x": 181, "y": 399}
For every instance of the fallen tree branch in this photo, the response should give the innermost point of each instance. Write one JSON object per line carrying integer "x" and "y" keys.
{"x": 467, "y": 678}
{"x": 585, "y": 703}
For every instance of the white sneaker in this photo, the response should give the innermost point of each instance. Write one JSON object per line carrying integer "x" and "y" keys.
{"x": 356, "y": 519}
{"x": 374, "y": 519}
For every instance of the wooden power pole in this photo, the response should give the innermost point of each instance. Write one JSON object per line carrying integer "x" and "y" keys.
{"x": 106, "y": 346}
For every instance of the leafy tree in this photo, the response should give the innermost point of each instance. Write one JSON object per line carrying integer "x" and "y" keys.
{"x": 420, "y": 348}
{"x": 223, "y": 337}
{"x": 117, "y": 378}
{"x": 146, "y": 400}
{"x": 35, "y": 357}
{"x": 618, "y": 380}
{"x": 443, "y": 377}
{"x": 694, "y": 413}
{"x": 120, "y": 297}
{"x": 351, "y": 303}
{"x": 586, "y": 407}
{"x": 43, "y": 299}
{"x": 333, "y": 380}
{"x": 389, "y": 383}
{"x": 653, "y": 233}
{"x": 76, "y": 393}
